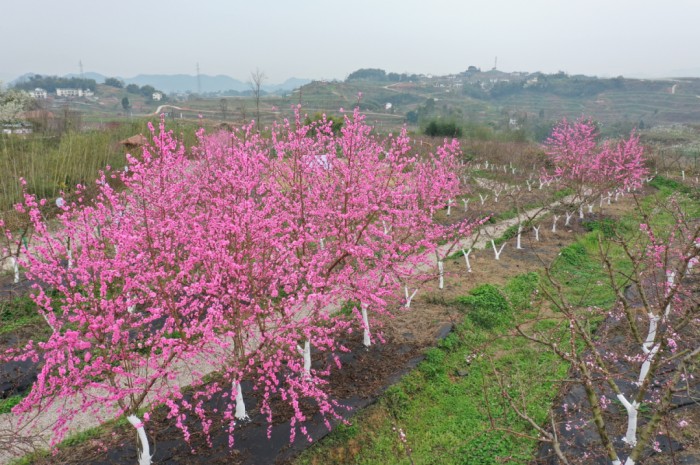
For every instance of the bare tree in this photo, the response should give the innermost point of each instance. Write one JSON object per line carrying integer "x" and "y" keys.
{"x": 637, "y": 356}
{"x": 223, "y": 105}
{"x": 257, "y": 78}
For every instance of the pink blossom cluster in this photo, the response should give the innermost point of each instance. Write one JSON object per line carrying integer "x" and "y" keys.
{"x": 586, "y": 165}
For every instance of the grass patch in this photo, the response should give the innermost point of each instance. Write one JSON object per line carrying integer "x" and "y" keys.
{"x": 7, "y": 404}
{"x": 16, "y": 313}
{"x": 487, "y": 307}
{"x": 669, "y": 186}
{"x": 441, "y": 407}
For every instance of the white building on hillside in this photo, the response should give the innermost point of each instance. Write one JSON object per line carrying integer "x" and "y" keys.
{"x": 74, "y": 92}
{"x": 39, "y": 93}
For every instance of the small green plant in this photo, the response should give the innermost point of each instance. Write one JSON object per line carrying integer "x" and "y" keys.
{"x": 433, "y": 366}
{"x": 396, "y": 400}
{"x": 574, "y": 254}
{"x": 606, "y": 226}
{"x": 520, "y": 289}
{"x": 491, "y": 448}
{"x": 348, "y": 307}
{"x": 439, "y": 128}
{"x": 487, "y": 307}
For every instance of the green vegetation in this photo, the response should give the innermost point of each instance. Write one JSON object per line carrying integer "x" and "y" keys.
{"x": 336, "y": 121}
{"x": 669, "y": 186}
{"x": 439, "y": 128}
{"x": 9, "y": 402}
{"x": 487, "y": 307}
{"x": 52, "y": 163}
{"x": 444, "y": 406}
{"x": 51, "y": 83}
{"x": 114, "y": 82}
{"x": 18, "y": 312}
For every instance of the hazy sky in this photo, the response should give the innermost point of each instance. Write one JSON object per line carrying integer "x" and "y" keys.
{"x": 328, "y": 39}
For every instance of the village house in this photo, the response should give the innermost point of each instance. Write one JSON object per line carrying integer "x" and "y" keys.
{"x": 39, "y": 93}
{"x": 62, "y": 92}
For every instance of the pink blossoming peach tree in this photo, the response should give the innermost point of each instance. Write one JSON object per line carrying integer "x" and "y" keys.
{"x": 230, "y": 258}
{"x": 590, "y": 169}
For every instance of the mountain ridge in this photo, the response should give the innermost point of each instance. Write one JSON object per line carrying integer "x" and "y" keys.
{"x": 187, "y": 83}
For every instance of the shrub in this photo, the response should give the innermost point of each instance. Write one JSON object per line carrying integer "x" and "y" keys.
{"x": 437, "y": 128}
{"x": 519, "y": 290}
{"x": 487, "y": 307}
{"x": 606, "y": 226}
{"x": 574, "y": 254}
{"x": 433, "y": 365}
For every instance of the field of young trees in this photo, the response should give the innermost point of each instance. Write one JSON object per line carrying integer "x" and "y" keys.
{"x": 232, "y": 297}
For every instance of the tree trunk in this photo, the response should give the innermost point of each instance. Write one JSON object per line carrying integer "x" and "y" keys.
{"x": 144, "y": 450}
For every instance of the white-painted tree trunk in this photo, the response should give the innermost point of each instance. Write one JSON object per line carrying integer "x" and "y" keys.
{"x": 497, "y": 253}
{"x": 632, "y": 414}
{"x": 517, "y": 243}
{"x": 554, "y": 223}
{"x": 322, "y": 244}
{"x": 466, "y": 259}
{"x": 144, "y": 450}
{"x": 365, "y": 322}
{"x": 537, "y": 232}
{"x": 409, "y": 298}
{"x": 441, "y": 271}
{"x": 466, "y": 204}
{"x": 449, "y": 206}
{"x": 683, "y": 174}
{"x": 15, "y": 268}
{"x": 580, "y": 211}
{"x": 529, "y": 186}
{"x": 306, "y": 353}
{"x": 670, "y": 277}
{"x": 568, "y": 218}
{"x": 131, "y": 308}
{"x": 483, "y": 199}
{"x": 387, "y": 230}
{"x": 590, "y": 208}
{"x": 240, "y": 413}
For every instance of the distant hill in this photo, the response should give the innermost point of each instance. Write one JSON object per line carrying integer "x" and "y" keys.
{"x": 188, "y": 83}
{"x": 219, "y": 83}
{"x": 185, "y": 82}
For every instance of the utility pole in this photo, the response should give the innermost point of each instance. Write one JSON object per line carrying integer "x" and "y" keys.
{"x": 80, "y": 64}
{"x": 199, "y": 81}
